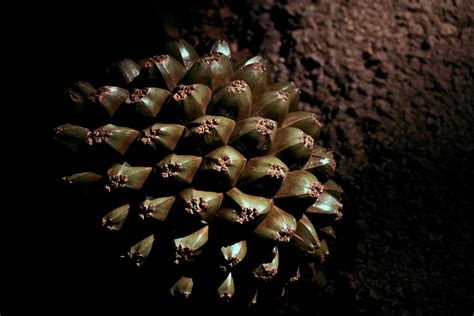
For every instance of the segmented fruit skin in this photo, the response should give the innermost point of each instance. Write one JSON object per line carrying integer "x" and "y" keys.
{"x": 205, "y": 171}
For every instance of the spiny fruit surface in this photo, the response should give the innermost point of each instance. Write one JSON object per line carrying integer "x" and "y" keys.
{"x": 205, "y": 172}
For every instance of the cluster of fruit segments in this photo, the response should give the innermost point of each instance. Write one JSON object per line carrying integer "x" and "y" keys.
{"x": 205, "y": 169}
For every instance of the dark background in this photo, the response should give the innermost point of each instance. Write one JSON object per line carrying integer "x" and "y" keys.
{"x": 393, "y": 82}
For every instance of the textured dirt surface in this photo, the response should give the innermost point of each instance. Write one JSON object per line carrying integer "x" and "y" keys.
{"x": 393, "y": 82}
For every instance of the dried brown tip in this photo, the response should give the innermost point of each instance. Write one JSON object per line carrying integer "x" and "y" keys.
{"x": 265, "y": 126}
{"x": 136, "y": 257}
{"x": 228, "y": 264}
{"x": 284, "y": 235}
{"x": 265, "y": 273}
{"x": 185, "y": 294}
{"x": 170, "y": 170}
{"x": 145, "y": 210}
{"x": 222, "y": 164}
{"x": 207, "y": 126}
{"x": 314, "y": 245}
{"x": 137, "y": 95}
{"x": 246, "y": 215}
{"x": 155, "y": 60}
{"x": 308, "y": 141}
{"x": 209, "y": 59}
{"x": 98, "y": 95}
{"x": 315, "y": 189}
{"x": 296, "y": 277}
{"x": 282, "y": 95}
{"x": 277, "y": 171}
{"x": 225, "y": 296}
{"x": 99, "y": 136}
{"x": 316, "y": 120}
{"x": 258, "y": 67}
{"x": 294, "y": 86}
{"x": 107, "y": 223}
{"x": 59, "y": 130}
{"x": 332, "y": 161}
{"x": 183, "y": 92}
{"x": 116, "y": 182}
{"x": 68, "y": 180}
{"x": 237, "y": 86}
{"x": 150, "y": 136}
{"x": 196, "y": 206}
{"x": 182, "y": 254}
